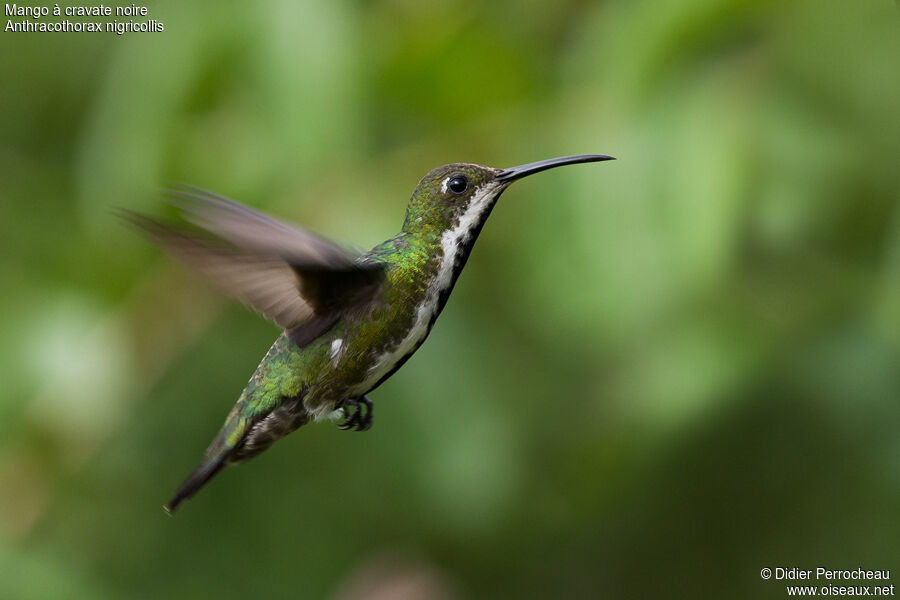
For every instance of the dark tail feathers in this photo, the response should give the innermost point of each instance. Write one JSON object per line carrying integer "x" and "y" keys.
{"x": 203, "y": 472}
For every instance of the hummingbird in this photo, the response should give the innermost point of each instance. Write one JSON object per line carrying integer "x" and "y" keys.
{"x": 349, "y": 320}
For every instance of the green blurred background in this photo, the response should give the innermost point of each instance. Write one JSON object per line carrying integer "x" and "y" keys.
{"x": 656, "y": 376}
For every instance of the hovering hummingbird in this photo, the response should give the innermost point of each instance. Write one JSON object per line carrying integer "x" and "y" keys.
{"x": 349, "y": 321}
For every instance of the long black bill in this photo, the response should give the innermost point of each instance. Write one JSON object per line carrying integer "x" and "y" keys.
{"x": 513, "y": 173}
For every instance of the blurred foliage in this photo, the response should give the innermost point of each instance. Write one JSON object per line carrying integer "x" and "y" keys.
{"x": 655, "y": 377}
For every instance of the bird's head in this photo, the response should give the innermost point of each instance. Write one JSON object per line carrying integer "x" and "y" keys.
{"x": 459, "y": 196}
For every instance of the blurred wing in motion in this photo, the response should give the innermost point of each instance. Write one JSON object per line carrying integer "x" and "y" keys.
{"x": 299, "y": 281}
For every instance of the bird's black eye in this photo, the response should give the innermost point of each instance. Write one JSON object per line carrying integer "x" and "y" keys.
{"x": 458, "y": 184}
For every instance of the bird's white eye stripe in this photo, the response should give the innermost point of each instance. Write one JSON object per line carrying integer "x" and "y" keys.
{"x": 444, "y": 185}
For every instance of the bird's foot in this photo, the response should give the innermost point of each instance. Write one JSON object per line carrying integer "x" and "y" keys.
{"x": 357, "y": 413}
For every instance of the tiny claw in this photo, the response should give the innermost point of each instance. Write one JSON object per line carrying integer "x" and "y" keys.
{"x": 358, "y": 414}
{"x": 351, "y": 414}
{"x": 365, "y": 420}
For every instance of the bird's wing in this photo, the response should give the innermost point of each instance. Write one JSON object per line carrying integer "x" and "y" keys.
{"x": 250, "y": 229}
{"x": 299, "y": 281}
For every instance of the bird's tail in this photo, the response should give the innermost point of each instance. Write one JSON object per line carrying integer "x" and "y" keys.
{"x": 216, "y": 456}
{"x": 213, "y": 461}
{"x": 259, "y": 418}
